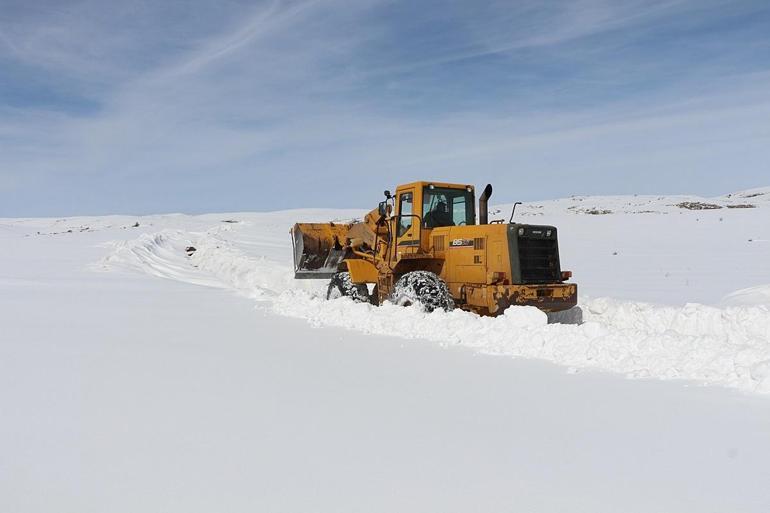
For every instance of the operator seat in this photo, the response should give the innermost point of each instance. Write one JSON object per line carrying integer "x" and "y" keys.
{"x": 439, "y": 216}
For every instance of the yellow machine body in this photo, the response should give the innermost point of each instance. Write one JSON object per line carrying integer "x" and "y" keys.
{"x": 487, "y": 267}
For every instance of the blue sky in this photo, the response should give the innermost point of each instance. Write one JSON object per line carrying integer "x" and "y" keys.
{"x": 143, "y": 107}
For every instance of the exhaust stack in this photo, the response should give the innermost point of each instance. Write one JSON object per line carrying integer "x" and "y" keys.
{"x": 483, "y": 199}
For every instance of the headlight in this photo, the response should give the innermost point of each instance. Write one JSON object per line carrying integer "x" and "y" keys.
{"x": 521, "y": 231}
{"x": 548, "y": 233}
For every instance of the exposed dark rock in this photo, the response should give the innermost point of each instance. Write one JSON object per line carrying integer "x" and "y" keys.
{"x": 697, "y": 205}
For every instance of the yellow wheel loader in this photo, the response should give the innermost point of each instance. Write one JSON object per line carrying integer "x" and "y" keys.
{"x": 423, "y": 245}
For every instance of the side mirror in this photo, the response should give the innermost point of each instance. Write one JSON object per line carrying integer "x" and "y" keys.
{"x": 383, "y": 208}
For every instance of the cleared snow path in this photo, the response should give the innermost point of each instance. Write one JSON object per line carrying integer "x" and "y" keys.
{"x": 727, "y": 346}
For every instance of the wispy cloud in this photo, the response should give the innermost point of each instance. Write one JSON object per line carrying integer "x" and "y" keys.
{"x": 224, "y": 109}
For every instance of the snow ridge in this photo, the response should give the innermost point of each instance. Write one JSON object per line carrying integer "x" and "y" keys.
{"x": 723, "y": 346}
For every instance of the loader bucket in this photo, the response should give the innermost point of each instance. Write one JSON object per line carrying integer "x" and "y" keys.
{"x": 318, "y": 249}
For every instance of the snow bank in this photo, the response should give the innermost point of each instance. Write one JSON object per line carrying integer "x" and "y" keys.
{"x": 726, "y": 346}
{"x": 203, "y": 258}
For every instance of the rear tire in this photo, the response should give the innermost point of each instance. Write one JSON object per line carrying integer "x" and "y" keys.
{"x": 423, "y": 288}
{"x": 341, "y": 286}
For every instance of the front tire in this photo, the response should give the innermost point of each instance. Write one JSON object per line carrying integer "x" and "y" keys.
{"x": 341, "y": 286}
{"x": 423, "y": 288}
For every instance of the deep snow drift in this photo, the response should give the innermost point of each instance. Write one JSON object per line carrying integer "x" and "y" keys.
{"x": 669, "y": 251}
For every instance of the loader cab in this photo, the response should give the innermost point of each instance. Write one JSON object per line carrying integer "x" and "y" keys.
{"x": 447, "y": 206}
{"x": 422, "y": 206}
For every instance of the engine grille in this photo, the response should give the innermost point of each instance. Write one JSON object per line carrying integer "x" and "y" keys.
{"x": 539, "y": 260}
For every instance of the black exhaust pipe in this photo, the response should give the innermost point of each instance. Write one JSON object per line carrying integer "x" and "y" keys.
{"x": 483, "y": 199}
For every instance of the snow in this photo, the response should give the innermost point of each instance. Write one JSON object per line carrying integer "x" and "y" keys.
{"x": 668, "y": 256}
{"x": 759, "y": 295}
{"x": 134, "y": 376}
{"x": 696, "y": 342}
{"x": 648, "y": 249}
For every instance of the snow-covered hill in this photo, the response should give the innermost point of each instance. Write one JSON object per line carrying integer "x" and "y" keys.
{"x": 661, "y": 249}
{"x": 672, "y": 287}
{"x": 136, "y": 374}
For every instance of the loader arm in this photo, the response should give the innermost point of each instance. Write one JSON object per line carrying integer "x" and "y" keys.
{"x": 319, "y": 249}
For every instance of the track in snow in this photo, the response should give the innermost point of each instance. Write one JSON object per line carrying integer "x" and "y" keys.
{"x": 725, "y": 346}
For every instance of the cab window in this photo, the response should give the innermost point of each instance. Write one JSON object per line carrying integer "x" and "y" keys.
{"x": 447, "y": 207}
{"x": 405, "y": 212}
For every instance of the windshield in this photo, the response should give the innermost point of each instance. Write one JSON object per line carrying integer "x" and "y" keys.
{"x": 447, "y": 207}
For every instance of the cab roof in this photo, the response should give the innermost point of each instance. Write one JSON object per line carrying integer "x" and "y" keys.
{"x": 421, "y": 184}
